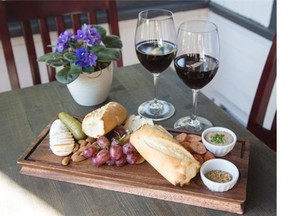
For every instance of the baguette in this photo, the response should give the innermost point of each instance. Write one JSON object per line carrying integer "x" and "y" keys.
{"x": 165, "y": 154}
{"x": 104, "y": 119}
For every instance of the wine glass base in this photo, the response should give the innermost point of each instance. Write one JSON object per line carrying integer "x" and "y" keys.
{"x": 156, "y": 111}
{"x": 198, "y": 125}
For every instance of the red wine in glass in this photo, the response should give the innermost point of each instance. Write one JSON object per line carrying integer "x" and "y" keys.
{"x": 194, "y": 71}
{"x": 155, "y": 57}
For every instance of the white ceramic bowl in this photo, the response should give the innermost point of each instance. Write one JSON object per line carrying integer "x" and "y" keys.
{"x": 219, "y": 164}
{"x": 219, "y": 150}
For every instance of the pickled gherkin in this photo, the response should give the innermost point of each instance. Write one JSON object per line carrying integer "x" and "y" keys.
{"x": 73, "y": 125}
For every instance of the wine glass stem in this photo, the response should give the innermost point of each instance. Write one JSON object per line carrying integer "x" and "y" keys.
{"x": 156, "y": 79}
{"x": 194, "y": 104}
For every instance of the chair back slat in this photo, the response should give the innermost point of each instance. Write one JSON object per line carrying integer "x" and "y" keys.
{"x": 113, "y": 20}
{"x": 46, "y": 41}
{"x": 29, "y": 42}
{"x": 24, "y": 11}
{"x": 92, "y": 17}
{"x": 112, "y": 17}
{"x": 45, "y": 35}
{"x": 265, "y": 86}
{"x": 261, "y": 101}
{"x": 7, "y": 48}
{"x": 76, "y": 22}
{"x": 60, "y": 25}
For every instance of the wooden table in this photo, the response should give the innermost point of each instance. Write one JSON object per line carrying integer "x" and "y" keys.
{"x": 25, "y": 112}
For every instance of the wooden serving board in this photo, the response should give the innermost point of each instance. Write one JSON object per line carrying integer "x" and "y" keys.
{"x": 38, "y": 160}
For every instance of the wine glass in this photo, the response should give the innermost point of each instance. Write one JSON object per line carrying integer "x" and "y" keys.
{"x": 155, "y": 40}
{"x": 196, "y": 63}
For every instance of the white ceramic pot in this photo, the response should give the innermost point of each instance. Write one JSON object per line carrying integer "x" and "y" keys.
{"x": 92, "y": 89}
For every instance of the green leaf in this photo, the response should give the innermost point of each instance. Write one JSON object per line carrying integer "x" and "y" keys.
{"x": 69, "y": 56}
{"x": 97, "y": 48}
{"x": 48, "y": 56}
{"x": 112, "y": 41}
{"x": 68, "y": 74}
{"x": 101, "y": 30}
{"x": 109, "y": 54}
{"x": 88, "y": 70}
{"x": 55, "y": 62}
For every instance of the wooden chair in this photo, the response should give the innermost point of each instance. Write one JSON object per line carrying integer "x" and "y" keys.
{"x": 261, "y": 100}
{"x": 25, "y": 11}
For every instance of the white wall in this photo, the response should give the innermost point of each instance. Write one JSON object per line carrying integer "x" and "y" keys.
{"x": 257, "y": 10}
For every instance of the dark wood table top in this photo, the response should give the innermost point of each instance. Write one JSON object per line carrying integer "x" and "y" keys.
{"x": 25, "y": 112}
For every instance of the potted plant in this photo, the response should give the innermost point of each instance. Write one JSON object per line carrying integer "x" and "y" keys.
{"x": 85, "y": 57}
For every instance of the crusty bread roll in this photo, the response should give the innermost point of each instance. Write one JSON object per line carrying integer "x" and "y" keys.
{"x": 102, "y": 120}
{"x": 165, "y": 154}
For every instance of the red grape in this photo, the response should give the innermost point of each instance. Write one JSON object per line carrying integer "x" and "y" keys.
{"x": 90, "y": 151}
{"x": 111, "y": 151}
{"x": 110, "y": 162}
{"x": 103, "y": 142}
{"x": 121, "y": 162}
{"x": 128, "y": 148}
{"x": 116, "y": 152}
{"x": 131, "y": 158}
{"x": 120, "y": 130}
{"x": 102, "y": 157}
{"x": 114, "y": 141}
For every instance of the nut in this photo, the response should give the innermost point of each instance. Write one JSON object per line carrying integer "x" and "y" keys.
{"x": 76, "y": 147}
{"x": 77, "y": 157}
{"x": 65, "y": 161}
{"x": 82, "y": 142}
{"x": 140, "y": 159}
{"x": 82, "y": 148}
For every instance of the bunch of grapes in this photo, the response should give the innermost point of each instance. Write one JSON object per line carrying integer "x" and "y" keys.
{"x": 112, "y": 152}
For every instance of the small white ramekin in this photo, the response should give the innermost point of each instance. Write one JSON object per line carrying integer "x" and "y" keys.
{"x": 219, "y": 150}
{"x": 219, "y": 164}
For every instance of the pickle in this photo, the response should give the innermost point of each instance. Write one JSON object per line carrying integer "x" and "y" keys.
{"x": 73, "y": 125}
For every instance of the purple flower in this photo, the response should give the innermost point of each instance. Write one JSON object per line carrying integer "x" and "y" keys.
{"x": 60, "y": 47}
{"x": 80, "y": 44}
{"x": 85, "y": 27}
{"x": 64, "y": 37}
{"x": 80, "y": 53}
{"x": 81, "y": 35}
{"x": 68, "y": 33}
{"x": 90, "y": 41}
{"x": 91, "y": 58}
{"x": 63, "y": 40}
{"x": 95, "y": 35}
{"x": 89, "y": 35}
{"x": 85, "y": 58}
